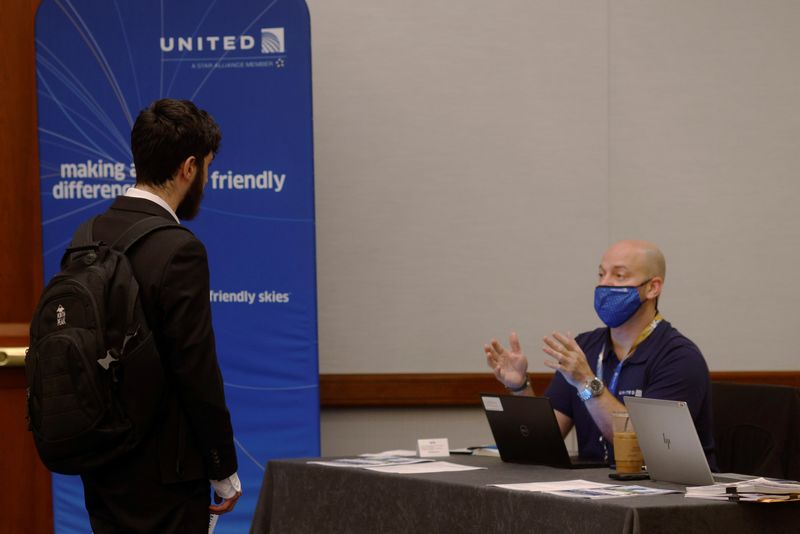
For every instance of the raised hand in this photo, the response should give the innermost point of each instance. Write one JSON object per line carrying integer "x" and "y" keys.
{"x": 568, "y": 358}
{"x": 510, "y": 367}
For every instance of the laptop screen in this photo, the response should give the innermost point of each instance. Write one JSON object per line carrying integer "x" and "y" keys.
{"x": 669, "y": 441}
{"x": 525, "y": 430}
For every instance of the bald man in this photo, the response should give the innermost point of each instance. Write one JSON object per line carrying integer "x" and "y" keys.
{"x": 638, "y": 353}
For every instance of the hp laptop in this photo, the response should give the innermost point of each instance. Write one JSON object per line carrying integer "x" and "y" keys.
{"x": 525, "y": 431}
{"x": 669, "y": 443}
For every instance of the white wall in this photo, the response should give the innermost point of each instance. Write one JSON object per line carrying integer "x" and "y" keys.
{"x": 461, "y": 176}
{"x": 473, "y": 160}
{"x": 705, "y": 136}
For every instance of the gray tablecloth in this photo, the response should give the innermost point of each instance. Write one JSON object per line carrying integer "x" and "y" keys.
{"x": 298, "y": 497}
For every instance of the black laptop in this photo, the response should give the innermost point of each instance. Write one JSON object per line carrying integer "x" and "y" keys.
{"x": 525, "y": 431}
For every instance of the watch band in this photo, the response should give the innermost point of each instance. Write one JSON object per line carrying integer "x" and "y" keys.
{"x": 585, "y": 394}
{"x": 592, "y": 388}
{"x": 520, "y": 389}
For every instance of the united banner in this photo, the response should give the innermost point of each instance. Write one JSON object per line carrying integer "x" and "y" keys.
{"x": 247, "y": 62}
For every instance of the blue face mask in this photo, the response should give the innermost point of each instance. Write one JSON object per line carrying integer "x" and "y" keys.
{"x": 616, "y": 304}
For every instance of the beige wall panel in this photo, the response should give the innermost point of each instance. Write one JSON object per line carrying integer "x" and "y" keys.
{"x": 355, "y": 431}
{"x": 461, "y": 177}
{"x": 705, "y": 152}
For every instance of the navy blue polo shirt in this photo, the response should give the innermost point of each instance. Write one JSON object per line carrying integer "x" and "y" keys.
{"x": 666, "y": 365}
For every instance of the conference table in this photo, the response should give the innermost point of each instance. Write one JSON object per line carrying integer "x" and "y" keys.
{"x": 298, "y": 497}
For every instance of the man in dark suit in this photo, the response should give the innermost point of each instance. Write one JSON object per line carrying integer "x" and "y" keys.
{"x": 163, "y": 485}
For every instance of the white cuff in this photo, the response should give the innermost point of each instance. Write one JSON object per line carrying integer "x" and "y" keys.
{"x": 227, "y": 488}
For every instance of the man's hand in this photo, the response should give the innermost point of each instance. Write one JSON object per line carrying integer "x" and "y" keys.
{"x": 510, "y": 368}
{"x": 226, "y": 506}
{"x": 568, "y": 359}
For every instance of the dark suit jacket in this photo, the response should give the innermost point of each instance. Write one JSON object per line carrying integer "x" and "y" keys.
{"x": 194, "y": 439}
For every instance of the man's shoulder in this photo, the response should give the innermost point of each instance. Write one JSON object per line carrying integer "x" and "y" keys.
{"x": 127, "y": 211}
{"x": 674, "y": 355}
{"x": 671, "y": 347}
{"x": 165, "y": 245}
{"x": 669, "y": 337}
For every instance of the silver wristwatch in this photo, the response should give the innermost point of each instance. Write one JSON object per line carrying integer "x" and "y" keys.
{"x": 593, "y": 388}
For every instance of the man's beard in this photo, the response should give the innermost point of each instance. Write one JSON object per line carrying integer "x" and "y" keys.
{"x": 190, "y": 205}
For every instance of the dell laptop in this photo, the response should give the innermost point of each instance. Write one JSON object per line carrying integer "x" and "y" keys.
{"x": 525, "y": 431}
{"x": 670, "y": 444}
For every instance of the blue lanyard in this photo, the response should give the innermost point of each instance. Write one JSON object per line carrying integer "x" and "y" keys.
{"x": 599, "y": 371}
{"x": 612, "y": 386}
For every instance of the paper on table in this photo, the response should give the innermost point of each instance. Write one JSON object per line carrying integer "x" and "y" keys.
{"x": 371, "y": 461}
{"x": 611, "y": 492}
{"x": 768, "y": 486}
{"x": 559, "y": 485}
{"x": 396, "y": 452}
{"x": 431, "y": 467}
{"x": 585, "y": 489}
{"x": 757, "y": 489}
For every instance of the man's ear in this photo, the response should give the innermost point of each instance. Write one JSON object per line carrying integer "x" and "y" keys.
{"x": 654, "y": 291}
{"x": 188, "y": 169}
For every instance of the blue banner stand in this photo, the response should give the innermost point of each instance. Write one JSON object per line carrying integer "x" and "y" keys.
{"x": 247, "y": 62}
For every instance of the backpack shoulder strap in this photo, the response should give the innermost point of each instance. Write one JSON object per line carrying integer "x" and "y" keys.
{"x": 129, "y": 237}
{"x": 140, "y": 229}
{"x": 82, "y": 239}
{"x": 84, "y": 235}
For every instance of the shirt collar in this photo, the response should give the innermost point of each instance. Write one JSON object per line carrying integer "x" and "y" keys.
{"x": 638, "y": 356}
{"x": 147, "y": 195}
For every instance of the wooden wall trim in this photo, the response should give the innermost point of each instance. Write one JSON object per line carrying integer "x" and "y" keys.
{"x": 14, "y": 334}
{"x": 463, "y": 389}
{"x": 774, "y": 378}
{"x": 448, "y": 389}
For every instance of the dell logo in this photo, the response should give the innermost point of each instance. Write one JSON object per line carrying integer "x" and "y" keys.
{"x": 523, "y": 429}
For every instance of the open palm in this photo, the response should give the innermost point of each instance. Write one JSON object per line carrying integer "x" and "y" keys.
{"x": 509, "y": 366}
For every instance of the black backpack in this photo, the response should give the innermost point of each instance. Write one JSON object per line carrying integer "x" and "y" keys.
{"x": 95, "y": 379}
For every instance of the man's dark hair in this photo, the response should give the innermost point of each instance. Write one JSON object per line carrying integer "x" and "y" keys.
{"x": 165, "y": 134}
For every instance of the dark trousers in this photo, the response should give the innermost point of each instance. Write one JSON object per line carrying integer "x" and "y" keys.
{"x": 129, "y": 497}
